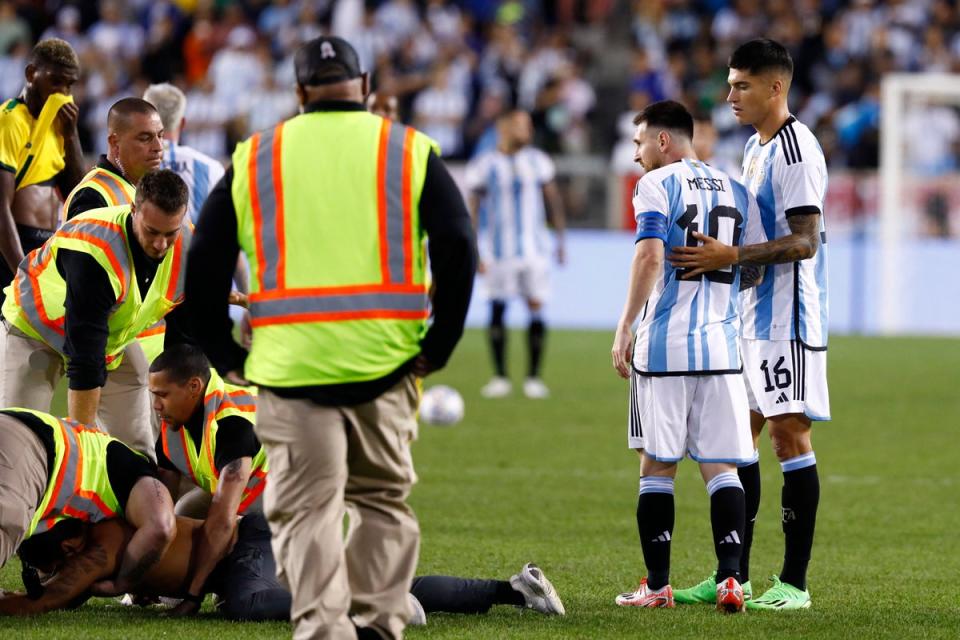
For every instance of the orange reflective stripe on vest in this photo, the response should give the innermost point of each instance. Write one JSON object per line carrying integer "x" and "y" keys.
{"x": 68, "y": 499}
{"x": 107, "y": 237}
{"x": 394, "y": 203}
{"x": 178, "y": 450}
{"x": 266, "y": 198}
{"x": 115, "y": 190}
{"x": 396, "y": 296}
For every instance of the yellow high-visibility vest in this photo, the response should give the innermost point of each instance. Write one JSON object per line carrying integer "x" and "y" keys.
{"x": 113, "y": 187}
{"x": 79, "y": 486}
{"x": 35, "y": 298}
{"x": 220, "y": 401}
{"x": 117, "y": 191}
{"x": 327, "y": 207}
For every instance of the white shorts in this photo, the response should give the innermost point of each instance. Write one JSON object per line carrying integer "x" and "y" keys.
{"x": 705, "y": 417}
{"x": 784, "y": 377}
{"x": 526, "y": 277}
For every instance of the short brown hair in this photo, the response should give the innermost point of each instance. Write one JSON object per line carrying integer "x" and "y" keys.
{"x": 163, "y": 188}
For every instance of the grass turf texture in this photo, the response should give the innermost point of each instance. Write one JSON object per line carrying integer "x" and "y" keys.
{"x": 552, "y": 482}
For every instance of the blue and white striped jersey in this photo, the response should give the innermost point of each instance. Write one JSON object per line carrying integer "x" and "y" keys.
{"x": 692, "y": 326}
{"x": 788, "y": 175}
{"x": 198, "y": 170}
{"x": 512, "y": 223}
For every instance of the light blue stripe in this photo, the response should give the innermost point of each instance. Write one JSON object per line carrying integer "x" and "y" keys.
{"x": 755, "y": 458}
{"x": 493, "y": 188}
{"x": 768, "y": 215}
{"x": 657, "y": 347}
{"x": 201, "y": 185}
{"x": 656, "y": 485}
{"x": 694, "y": 315}
{"x": 742, "y": 201}
{"x": 736, "y": 461}
{"x": 799, "y": 462}
{"x": 517, "y": 206}
{"x": 821, "y": 275}
{"x": 659, "y": 459}
{"x": 705, "y": 325}
{"x": 723, "y": 481}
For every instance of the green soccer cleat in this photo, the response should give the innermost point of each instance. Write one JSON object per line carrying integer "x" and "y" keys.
{"x": 781, "y": 596}
{"x": 706, "y": 592}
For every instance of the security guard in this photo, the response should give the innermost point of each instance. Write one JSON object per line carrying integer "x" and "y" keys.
{"x": 333, "y": 209}
{"x": 206, "y": 436}
{"x": 79, "y": 302}
{"x": 56, "y": 472}
{"x": 134, "y": 147}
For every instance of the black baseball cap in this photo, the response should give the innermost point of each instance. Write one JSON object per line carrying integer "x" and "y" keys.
{"x": 326, "y": 60}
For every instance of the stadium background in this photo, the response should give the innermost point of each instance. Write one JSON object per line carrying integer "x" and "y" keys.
{"x": 552, "y": 482}
{"x": 582, "y": 68}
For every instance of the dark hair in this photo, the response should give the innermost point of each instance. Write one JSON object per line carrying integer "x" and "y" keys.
{"x": 54, "y": 52}
{"x": 126, "y": 107}
{"x": 762, "y": 54}
{"x": 182, "y": 362}
{"x": 43, "y": 548}
{"x": 667, "y": 114}
{"x": 165, "y": 189}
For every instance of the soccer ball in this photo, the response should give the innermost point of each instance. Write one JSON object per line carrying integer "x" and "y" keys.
{"x": 441, "y": 405}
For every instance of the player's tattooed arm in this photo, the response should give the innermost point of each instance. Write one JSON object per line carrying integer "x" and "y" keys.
{"x": 70, "y": 585}
{"x": 711, "y": 255}
{"x": 802, "y": 243}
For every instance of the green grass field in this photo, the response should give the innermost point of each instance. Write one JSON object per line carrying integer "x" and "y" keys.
{"x": 552, "y": 482}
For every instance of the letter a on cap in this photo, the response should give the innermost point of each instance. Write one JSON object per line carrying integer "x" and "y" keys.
{"x": 326, "y": 51}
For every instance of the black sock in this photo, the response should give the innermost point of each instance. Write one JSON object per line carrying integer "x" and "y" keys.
{"x": 536, "y": 337}
{"x": 800, "y": 497}
{"x": 506, "y": 594}
{"x": 498, "y": 337}
{"x": 726, "y": 518}
{"x": 750, "y": 479}
{"x": 655, "y": 516}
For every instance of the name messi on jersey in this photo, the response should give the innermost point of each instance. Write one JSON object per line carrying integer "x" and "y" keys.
{"x": 706, "y": 184}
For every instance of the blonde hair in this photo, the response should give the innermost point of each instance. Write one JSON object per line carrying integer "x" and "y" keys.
{"x": 170, "y": 102}
{"x": 54, "y": 52}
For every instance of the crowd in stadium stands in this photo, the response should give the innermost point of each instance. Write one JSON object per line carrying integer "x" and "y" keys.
{"x": 581, "y": 67}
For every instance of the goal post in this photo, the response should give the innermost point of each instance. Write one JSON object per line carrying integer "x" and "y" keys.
{"x": 897, "y": 90}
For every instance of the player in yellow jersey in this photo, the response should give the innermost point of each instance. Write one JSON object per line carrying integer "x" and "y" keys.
{"x": 39, "y": 153}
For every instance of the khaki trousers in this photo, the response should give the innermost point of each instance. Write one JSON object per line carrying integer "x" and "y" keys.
{"x": 23, "y": 481}
{"x": 319, "y": 458}
{"x": 31, "y": 370}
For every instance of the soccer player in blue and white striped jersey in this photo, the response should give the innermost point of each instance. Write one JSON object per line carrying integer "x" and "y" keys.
{"x": 198, "y": 170}
{"x": 688, "y": 395}
{"x": 515, "y": 183}
{"x": 785, "y": 318}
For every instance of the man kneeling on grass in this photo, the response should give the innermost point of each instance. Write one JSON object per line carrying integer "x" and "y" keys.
{"x": 75, "y": 555}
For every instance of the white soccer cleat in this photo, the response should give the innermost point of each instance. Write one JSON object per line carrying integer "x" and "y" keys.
{"x": 662, "y": 598}
{"x": 498, "y": 387}
{"x": 537, "y": 590}
{"x": 419, "y": 617}
{"x": 535, "y": 388}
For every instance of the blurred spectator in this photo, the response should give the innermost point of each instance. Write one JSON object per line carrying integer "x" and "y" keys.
{"x": 11, "y": 71}
{"x": 67, "y": 27}
{"x": 13, "y": 29}
{"x": 439, "y": 111}
{"x": 237, "y": 71}
{"x": 114, "y": 36}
